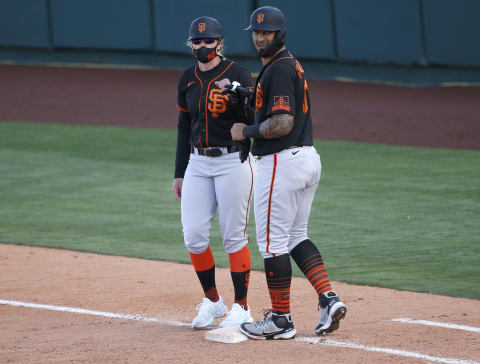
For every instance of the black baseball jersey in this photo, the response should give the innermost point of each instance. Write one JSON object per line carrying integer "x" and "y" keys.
{"x": 205, "y": 116}
{"x": 282, "y": 89}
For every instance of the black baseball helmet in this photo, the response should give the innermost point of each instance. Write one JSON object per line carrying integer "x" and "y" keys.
{"x": 205, "y": 27}
{"x": 268, "y": 18}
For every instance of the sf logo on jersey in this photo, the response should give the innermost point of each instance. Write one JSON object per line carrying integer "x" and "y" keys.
{"x": 217, "y": 103}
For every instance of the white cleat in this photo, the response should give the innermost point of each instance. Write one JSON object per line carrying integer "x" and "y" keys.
{"x": 236, "y": 316}
{"x": 207, "y": 312}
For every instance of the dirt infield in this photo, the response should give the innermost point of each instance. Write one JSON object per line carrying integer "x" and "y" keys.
{"x": 434, "y": 117}
{"x": 169, "y": 293}
{"x": 80, "y": 290}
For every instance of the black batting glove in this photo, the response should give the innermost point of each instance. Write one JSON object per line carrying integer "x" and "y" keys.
{"x": 243, "y": 147}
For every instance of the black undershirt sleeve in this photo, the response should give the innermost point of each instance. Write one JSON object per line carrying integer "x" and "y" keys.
{"x": 250, "y": 114}
{"x": 183, "y": 146}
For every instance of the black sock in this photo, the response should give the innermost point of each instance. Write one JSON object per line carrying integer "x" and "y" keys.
{"x": 278, "y": 271}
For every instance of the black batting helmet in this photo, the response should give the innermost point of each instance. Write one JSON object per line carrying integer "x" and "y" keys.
{"x": 205, "y": 27}
{"x": 268, "y": 18}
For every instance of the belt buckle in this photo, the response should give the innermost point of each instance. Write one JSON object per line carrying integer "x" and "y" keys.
{"x": 214, "y": 152}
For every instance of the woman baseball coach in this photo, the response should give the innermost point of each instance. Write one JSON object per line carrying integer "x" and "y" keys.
{"x": 209, "y": 174}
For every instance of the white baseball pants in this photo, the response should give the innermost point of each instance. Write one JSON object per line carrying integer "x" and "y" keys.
{"x": 212, "y": 182}
{"x": 285, "y": 186}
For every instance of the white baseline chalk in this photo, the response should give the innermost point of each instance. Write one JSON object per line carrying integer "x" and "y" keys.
{"x": 408, "y": 354}
{"x": 439, "y": 324}
{"x": 94, "y": 313}
{"x": 310, "y": 340}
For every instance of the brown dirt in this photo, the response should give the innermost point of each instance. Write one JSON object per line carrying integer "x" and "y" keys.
{"x": 433, "y": 117}
{"x": 171, "y": 291}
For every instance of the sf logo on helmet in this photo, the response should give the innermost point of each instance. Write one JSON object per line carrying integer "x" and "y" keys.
{"x": 201, "y": 27}
{"x": 260, "y": 17}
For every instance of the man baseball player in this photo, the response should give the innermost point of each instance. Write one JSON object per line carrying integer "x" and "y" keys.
{"x": 213, "y": 172}
{"x": 288, "y": 172}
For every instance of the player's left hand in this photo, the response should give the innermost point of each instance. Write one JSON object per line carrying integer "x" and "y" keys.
{"x": 237, "y": 94}
{"x": 244, "y": 148}
{"x": 236, "y": 131}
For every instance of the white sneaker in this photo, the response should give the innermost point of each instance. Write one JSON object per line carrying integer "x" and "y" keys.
{"x": 236, "y": 316}
{"x": 207, "y": 312}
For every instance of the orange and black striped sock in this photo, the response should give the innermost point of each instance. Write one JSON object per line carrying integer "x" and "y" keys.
{"x": 310, "y": 262}
{"x": 240, "y": 271}
{"x": 278, "y": 271}
{"x": 205, "y": 267}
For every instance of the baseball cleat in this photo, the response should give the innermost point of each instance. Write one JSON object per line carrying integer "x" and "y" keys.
{"x": 207, "y": 312}
{"x": 332, "y": 310}
{"x": 236, "y": 316}
{"x": 272, "y": 327}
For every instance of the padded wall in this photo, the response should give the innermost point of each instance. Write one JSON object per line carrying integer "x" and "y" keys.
{"x": 452, "y": 31}
{"x": 24, "y": 23}
{"x": 309, "y": 27}
{"x": 379, "y": 30}
{"x": 103, "y": 24}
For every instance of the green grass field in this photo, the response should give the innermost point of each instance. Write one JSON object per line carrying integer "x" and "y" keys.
{"x": 399, "y": 217}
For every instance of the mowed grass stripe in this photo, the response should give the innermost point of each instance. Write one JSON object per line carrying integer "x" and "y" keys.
{"x": 400, "y": 217}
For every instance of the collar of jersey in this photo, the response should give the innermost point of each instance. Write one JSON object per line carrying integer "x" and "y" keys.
{"x": 282, "y": 54}
{"x": 218, "y": 69}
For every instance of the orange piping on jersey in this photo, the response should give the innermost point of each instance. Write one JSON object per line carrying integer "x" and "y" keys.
{"x": 289, "y": 57}
{"x": 249, "y": 199}
{"x": 201, "y": 87}
{"x": 206, "y": 101}
{"x": 199, "y": 99}
{"x": 270, "y": 200}
{"x": 181, "y": 108}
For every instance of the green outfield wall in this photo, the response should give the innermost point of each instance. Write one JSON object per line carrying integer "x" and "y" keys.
{"x": 401, "y": 32}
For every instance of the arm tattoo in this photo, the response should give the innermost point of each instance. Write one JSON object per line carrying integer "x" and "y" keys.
{"x": 276, "y": 126}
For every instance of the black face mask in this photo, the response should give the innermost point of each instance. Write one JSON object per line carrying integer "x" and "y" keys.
{"x": 278, "y": 42}
{"x": 204, "y": 54}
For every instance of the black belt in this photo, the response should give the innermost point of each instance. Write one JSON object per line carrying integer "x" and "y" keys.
{"x": 211, "y": 152}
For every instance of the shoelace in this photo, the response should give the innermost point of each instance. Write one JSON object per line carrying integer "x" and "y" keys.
{"x": 265, "y": 318}
{"x": 232, "y": 312}
{"x": 199, "y": 307}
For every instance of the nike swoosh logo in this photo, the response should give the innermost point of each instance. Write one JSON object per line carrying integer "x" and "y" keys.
{"x": 295, "y": 152}
{"x": 267, "y": 333}
{"x": 190, "y": 84}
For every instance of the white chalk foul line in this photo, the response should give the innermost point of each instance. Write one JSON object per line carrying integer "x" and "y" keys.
{"x": 94, "y": 313}
{"x": 311, "y": 340}
{"x": 439, "y": 324}
{"x": 408, "y": 354}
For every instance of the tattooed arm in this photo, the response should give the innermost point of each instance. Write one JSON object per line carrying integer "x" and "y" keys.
{"x": 274, "y": 127}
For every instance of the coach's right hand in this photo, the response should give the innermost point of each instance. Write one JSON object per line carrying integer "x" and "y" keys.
{"x": 177, "y": 188}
